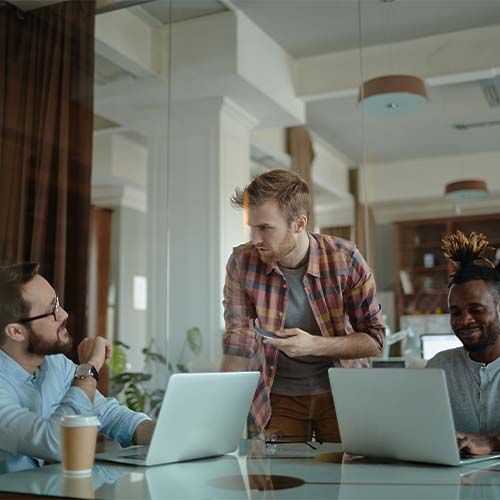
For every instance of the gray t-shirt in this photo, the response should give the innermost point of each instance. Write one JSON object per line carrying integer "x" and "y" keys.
{"x": 304, "y": 375}
{"x": 474, "y": 390}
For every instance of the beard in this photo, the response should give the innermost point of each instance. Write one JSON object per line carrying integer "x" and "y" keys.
{"x": 489, "y": 336}
{"x": 274, "y": 256}
{"x": 42, "y": 347}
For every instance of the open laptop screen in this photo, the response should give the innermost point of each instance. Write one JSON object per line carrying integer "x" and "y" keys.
{"x": 431, "y": 344}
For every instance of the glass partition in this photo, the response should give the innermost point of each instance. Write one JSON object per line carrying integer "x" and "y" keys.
{"x": 190, "y": 100}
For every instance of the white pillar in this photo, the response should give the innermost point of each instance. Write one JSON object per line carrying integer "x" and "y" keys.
{"x": 192, "y": 227}
{"x": 157, "y": 243}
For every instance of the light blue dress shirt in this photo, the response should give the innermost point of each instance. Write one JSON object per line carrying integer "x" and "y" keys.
{"x": 31, "y": 408}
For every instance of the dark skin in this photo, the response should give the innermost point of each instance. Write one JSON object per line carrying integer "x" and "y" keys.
{"x": 475, "y": 320}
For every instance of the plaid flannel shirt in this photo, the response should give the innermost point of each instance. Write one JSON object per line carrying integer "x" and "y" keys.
{"x": 339, "y": 286}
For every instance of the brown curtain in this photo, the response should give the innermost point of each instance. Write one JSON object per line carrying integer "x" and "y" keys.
{"x": 46, "y": 116}
{"x": 300, "y": 148}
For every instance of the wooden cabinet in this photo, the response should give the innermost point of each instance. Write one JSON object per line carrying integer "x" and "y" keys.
{"x": 423, "y": 272}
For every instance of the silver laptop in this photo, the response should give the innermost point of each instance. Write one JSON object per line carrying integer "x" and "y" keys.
{"x": 396, "y": 413}
{"x": 202, "y": 415}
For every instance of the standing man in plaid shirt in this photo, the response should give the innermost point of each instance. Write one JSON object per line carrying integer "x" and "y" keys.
{"x": 315, "y": 292}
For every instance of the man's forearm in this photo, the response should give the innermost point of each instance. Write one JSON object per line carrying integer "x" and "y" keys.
{"x": 478, "y": 444}
{"x": 353, "y": 346}
{"x": 144, "y": 432}
{"x": 232, "y": 363}
{"x": 495, "y": 441}
{"x": 88, "y": 385}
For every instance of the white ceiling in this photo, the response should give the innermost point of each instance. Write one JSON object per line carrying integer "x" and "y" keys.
{"x": 424, "y": 133}
{"x": 310, "y": 27}
{"x": 181, "y": 10}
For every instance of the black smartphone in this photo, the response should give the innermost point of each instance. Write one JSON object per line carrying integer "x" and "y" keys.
{"x": 265, "y": 333}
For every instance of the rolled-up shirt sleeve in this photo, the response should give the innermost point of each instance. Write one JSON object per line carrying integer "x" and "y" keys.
{"x": 117, "y": 421}
{"x": 25, "y": 433}
{"x": 360, "y": 301}
{"x": 239, "y": 315}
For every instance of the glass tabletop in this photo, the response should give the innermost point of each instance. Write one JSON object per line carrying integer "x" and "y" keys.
{"x": 287, "y": 470}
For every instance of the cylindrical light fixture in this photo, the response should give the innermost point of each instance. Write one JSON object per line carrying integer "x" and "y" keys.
{"x": 469, "y": 189}
{"x": 392, "y": 94}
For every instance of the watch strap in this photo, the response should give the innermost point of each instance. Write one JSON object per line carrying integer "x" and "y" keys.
{"x": 86, "y": 370}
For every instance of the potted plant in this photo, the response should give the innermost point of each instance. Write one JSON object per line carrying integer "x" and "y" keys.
{"x": 132, "y": 388}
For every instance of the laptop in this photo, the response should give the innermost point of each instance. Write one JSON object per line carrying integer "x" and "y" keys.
{"x": 202, "y": 415}
{"x": 432, "y": 343}
{"x": 398, "y": 413}
{"x": 388, "y": 363}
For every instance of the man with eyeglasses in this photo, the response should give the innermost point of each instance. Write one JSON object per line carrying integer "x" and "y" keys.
{"x": 39, "y": 384}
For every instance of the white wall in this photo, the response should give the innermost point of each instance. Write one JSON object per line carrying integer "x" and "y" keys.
{"x": 330, "y": 168}
{"x": 129, "y": 161}
{"x": 128, "y": 259}
{"x": 426, "y": 177}
{"x": 268, "y": 67}
{"x": 273, "y": 138}
{"x": 333, "y": 205}
{"x": 118, "y": 160}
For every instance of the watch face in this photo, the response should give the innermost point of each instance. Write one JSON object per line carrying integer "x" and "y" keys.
{"x": 83, "y": 370}
{"x": 86, "y": 370}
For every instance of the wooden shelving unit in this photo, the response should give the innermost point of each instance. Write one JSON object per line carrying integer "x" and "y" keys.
{"x": 421, "y": 261}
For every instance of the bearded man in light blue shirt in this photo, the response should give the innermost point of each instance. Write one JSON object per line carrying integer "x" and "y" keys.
{"x": 39, "y": 384}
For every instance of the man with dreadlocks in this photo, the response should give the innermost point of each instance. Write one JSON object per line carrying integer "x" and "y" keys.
{"x": 473, "y": 371}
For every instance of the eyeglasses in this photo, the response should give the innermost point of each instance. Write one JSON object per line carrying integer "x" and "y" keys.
{"x": 54, "y": 312}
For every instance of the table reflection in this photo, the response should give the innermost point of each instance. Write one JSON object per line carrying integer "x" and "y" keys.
{"x": 258, "y": 472}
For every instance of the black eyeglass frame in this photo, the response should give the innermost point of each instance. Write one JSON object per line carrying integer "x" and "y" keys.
{"x": 53, "y": 313}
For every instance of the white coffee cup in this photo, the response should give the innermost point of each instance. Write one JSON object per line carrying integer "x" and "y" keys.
{"x": 78, "y": 441}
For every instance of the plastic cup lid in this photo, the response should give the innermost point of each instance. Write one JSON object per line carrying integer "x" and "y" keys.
{"x": 79, "y": 421}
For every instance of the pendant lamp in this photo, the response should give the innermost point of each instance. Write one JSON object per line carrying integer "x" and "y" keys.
{"x": 392, "y": 94}
{"x": 469, "y": 189}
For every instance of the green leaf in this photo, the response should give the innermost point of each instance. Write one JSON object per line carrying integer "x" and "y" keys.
{"x": 155, "y": 401}
{"x": 154, "y": 356}
{"x": 118, "y": 361}
{"x": 121, "y": 344}
{"x": 115, "y": 387}
{"x": 182, "y": 368}
{"x": 131, "y": 377}
{"x": 135, "y": 397}
{"x": 194, "y": 340}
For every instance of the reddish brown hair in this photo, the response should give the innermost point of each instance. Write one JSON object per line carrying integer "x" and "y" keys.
{"x": 287, "y": 189}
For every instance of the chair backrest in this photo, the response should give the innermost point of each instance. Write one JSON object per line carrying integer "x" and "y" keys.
{"x": 394, "y": 338}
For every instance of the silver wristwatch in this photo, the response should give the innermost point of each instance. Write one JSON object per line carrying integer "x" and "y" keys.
{"x": 86, "y": 370}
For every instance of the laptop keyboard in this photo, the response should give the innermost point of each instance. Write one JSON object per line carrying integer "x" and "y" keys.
{"x": 134, "y": 456}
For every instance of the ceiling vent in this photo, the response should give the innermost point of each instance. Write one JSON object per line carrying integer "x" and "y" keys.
{"x": 468, "y": 126}
{"x": 491, "y": 91}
